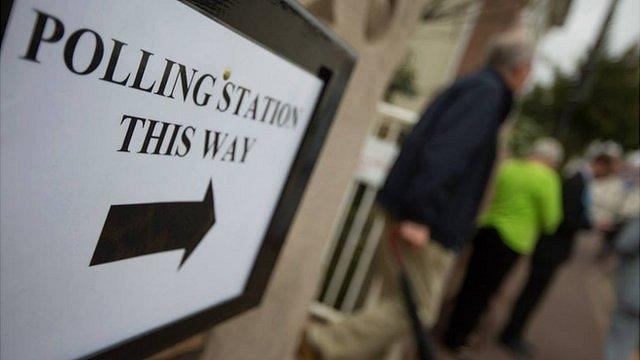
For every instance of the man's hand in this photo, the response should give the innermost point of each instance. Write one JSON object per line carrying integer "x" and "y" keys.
{"x": 415, "y": 234}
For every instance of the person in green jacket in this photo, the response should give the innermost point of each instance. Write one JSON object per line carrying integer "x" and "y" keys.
{"x": 527, "y": 202}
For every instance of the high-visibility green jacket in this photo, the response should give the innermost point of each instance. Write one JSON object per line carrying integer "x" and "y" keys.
{"x": 527, "y": 201}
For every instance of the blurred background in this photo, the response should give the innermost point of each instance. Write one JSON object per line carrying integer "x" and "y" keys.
{"x": 583, "y": 90}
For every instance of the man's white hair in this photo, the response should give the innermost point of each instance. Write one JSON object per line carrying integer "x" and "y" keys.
{"x": 549, "y": 149}
{"x": 509, "y": 50}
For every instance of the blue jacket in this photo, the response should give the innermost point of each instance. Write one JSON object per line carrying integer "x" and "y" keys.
{"x": 442, "y": 170}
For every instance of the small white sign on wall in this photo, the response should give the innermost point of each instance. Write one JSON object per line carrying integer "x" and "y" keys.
{"x": 376, "y": 160}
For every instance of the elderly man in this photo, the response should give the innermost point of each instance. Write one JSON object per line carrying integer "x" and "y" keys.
{"x": 527, "y": 202}
{"x": 431, "y": 197}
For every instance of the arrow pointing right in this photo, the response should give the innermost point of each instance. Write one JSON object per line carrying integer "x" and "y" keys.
{"x": 140, "y": 229}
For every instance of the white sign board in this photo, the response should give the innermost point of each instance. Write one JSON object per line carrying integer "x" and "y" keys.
{"x": 141, "y": 159}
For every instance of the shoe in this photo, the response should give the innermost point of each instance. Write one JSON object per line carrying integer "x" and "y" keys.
{"x": 522, "y": 349}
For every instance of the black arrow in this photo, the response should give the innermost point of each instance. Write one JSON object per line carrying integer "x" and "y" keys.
{"x": 140, "y": 229}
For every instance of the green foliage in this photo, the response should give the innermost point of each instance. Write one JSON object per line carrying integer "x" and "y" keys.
{"x": 609, "y": 111}
{"x": 403, "y": 81}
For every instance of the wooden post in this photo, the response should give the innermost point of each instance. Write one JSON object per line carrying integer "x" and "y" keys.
{"x": 272, "y": 330}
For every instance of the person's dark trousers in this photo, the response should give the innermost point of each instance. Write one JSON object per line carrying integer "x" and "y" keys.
{"x": 490, "y": 262}
{"x": 550, "y": 254}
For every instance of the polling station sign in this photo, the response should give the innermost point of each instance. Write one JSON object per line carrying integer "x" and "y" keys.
{"x": 152, "y": 156}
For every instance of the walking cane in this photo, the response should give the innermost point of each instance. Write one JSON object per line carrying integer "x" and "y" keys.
{"x": 423, "y": 343}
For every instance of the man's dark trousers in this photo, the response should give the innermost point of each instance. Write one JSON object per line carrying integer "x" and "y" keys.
{"x": 544, "y": 265}
{"x": 490, "y": 262}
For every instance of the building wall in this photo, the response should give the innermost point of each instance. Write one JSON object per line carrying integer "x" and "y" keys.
{"x": 441, "y": 50}
{"x": 435, "y": 49}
